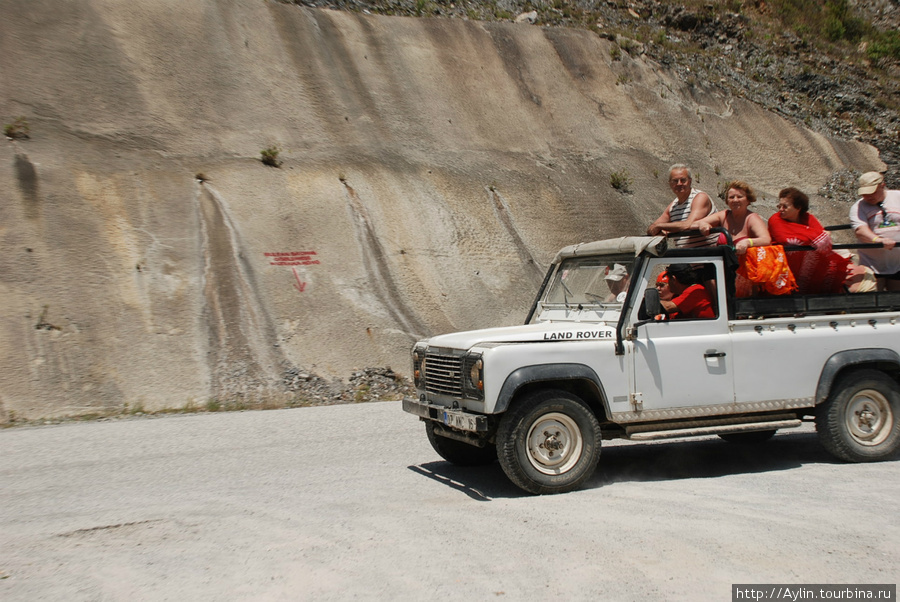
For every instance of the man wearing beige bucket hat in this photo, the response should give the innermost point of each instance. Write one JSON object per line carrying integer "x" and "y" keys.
{"x": 875, "y": 218}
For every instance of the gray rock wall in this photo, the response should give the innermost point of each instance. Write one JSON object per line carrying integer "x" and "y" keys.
{"x": 431, "y": 169}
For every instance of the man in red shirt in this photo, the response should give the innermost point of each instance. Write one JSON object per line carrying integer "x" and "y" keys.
{"x": 691, "y": 299}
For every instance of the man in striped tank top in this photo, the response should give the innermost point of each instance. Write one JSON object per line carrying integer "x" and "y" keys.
{"x": 689, "y": 206}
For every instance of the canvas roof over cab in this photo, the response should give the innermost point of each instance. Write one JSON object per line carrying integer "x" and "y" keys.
{"x": 655, "y": 245}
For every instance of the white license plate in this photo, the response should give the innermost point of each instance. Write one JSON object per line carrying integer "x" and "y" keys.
{"x": 466, "y": 423}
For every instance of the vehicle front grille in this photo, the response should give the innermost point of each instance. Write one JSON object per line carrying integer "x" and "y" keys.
{"x": 443, "y": 374}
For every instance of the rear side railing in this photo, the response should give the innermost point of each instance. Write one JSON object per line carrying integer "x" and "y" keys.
{"x": 848, "y": 246}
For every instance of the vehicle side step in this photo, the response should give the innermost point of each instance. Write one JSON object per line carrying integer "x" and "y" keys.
{"x": 770, "y": 425}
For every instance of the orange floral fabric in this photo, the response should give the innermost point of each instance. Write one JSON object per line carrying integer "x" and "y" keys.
{"x": 768, "y": 268}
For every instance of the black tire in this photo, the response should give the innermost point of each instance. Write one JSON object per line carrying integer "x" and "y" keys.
{"x": 549, "y": 442}
{"x": 859, "y": 420}
{"x": 459, "y": 453}
{"x": 747, "y": 438}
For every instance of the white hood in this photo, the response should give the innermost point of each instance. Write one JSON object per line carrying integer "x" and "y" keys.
{"x": 528, "y": 333}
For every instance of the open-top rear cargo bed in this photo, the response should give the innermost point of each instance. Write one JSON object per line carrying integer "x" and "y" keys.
{"x": 816, "y": 305}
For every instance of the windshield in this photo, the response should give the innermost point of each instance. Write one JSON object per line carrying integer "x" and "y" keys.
{"x": 590, "y": 281}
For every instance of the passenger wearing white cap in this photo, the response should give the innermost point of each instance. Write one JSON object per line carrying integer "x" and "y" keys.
{"x": 875, "y": 218}
{"x": 617, "y": 280}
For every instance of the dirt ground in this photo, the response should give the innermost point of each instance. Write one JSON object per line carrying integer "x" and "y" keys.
{"x": 350, "y": 502}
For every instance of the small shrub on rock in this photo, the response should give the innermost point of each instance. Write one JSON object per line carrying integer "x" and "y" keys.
{"x": 18, "y": 129}
{"x": 620, "y": 180}
{"x": 269, "y": 156}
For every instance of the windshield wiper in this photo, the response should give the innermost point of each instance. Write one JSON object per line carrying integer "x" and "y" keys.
{"x": 566, "y": 292}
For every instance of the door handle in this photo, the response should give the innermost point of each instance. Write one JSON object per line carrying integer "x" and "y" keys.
{"x": 715, "y": 354}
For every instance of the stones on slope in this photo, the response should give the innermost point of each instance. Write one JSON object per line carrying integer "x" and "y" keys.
{"x": 841, "y": 186}
{"x": 529, "y": 17}
{"x": 368, "y": 384}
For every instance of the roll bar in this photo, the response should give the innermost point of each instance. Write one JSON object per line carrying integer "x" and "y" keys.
{"x": 858, "y": 245}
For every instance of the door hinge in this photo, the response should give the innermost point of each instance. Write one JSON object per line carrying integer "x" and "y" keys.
{"x": 637, "y": 401}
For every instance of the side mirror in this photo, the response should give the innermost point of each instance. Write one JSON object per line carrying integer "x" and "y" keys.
{"x": 651, "y": 306}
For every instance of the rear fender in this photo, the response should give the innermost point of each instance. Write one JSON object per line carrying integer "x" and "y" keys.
{"x": 886, "y": 360}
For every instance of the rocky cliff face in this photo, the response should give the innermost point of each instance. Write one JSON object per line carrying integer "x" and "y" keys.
{"x": 831, "y": 66}
{"x": 430, "y": 169}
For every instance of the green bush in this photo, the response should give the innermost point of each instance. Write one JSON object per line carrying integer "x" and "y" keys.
{"x": 840, "y": 13}
{"x": 269, "y": 156}
{"x": 620, "y": 180}
{"x": 834, "y": 19}
{"x": 834, "y": 29}
{"x": 884, "y": 45}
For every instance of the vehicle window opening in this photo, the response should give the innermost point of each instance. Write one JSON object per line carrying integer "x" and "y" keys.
{"x": 686, "y": 291}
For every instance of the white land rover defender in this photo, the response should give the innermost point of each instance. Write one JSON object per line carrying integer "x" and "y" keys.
{"x": 594, "y": 361}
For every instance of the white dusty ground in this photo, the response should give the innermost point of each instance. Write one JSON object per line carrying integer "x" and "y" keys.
{"x": 350, "y": 502}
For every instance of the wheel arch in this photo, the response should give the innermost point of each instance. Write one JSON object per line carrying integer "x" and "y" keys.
{"x": 578, "y": 379}
{"x": 883, "y": 360}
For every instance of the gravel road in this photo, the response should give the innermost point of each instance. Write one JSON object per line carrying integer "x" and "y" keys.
{"x": 350, "y": 502}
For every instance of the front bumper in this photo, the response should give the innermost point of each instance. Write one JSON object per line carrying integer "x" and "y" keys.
{"x": 457, "y": 419}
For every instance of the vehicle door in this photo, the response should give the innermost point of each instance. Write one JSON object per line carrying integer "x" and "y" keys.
{"x": 681, "y": 362}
